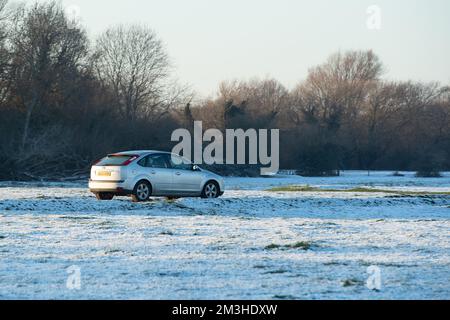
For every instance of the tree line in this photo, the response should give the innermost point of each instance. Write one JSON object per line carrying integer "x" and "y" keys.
{"x": 66, "y": 100}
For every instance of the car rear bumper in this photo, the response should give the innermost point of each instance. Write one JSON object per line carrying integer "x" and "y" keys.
{"x": 116, "y": 187}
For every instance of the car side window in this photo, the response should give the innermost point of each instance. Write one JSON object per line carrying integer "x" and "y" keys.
{"x": 179, "y": 163}
{"x": 154, "y": 161}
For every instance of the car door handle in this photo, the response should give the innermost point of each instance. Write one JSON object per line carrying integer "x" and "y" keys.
{"x": 153, "y": 172}
{"x": 178, "y": 173}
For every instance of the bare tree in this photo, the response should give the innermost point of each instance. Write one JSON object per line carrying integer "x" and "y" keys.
{"x": 133, "y": 62}
{"x": 46, "y": 48}
{"x": 3, "y": 17}
{"x": 4, "y": 52}
{"x": 337, "y": 88}
{"x": 263, "y": 100}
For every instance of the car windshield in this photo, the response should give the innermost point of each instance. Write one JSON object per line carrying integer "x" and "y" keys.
{"x": 114, "y": 160}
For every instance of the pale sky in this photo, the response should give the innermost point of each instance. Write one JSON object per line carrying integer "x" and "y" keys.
{"x": 214, "y": 40}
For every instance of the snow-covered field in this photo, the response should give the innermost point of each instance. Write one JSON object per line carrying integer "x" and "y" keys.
{"x": 241, "y": 246}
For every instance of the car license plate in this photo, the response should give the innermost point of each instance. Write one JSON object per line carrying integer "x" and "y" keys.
{"x": 104, "y": 173}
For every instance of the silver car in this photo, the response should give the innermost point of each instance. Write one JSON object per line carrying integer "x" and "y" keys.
{"x": 142, "y": 174}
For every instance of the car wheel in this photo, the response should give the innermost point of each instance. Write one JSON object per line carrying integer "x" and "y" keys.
{"x": 141, "y": 192}
{"x": 104, "y": 196}
{"x": 211, "y": 190}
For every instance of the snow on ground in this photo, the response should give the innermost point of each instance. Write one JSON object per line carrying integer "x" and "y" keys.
{"x": 218, "y": 249}
{"x": 349, "y": 180}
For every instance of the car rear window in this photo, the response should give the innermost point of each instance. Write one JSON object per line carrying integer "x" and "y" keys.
{"x": 114, "y": 160}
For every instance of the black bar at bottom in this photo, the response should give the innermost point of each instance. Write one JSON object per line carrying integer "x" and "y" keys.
{"x": 240, "y": 309}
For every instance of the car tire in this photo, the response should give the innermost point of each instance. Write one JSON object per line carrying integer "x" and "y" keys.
{"x": 211, "y": 190}
{"x": 104, "y": 196}
{"x": 142, "y": 191}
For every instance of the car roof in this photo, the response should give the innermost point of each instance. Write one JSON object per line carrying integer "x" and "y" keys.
{"x": 140, "y": 152}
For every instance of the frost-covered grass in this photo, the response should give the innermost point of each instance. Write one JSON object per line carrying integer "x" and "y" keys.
{"x": 298, "y": 245}
{"x": 250, "y": 244}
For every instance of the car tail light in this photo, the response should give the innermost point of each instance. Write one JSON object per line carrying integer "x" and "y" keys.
{"x": 96, "y": 161}
{"x": 133, "y": 158}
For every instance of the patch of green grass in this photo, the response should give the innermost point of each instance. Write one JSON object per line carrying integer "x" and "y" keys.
{"x": 284, "y": 297}
{"x": 280, "y": 271}
{"x": 351, "y": 282}
{"x": 75, "y": 218}
{"x": 335, "y": 263}
{"x": 303, "y": 245}
{"x": 105, "y": 225}
{"x": 370, "y": 190}
{"x": 273, "y": 246}
{"x": 294, "y": 189}
{"x": 112, "y": 251}
{"x": 300, "y": 245}
{"x": 220, "y": 248}
{"x": 299, "y": 188}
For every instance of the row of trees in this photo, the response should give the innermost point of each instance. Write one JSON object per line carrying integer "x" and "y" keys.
{"x": 343, "y": 116}
{"x": 65, "y": 101}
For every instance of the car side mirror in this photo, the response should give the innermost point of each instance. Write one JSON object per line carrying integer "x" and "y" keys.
{"x": 195, "y": 168}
